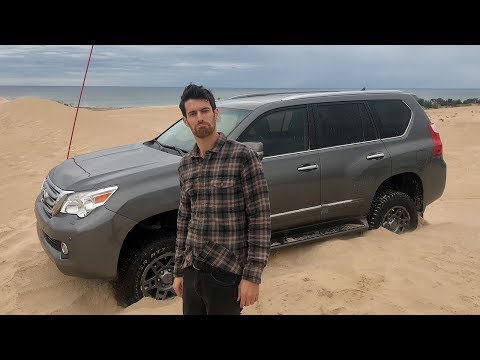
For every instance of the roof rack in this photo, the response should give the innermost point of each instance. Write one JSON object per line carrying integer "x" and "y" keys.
{"x": 306, "y": 94}
{"x": 275, "y": 93}
{"x": 348, "y": 92}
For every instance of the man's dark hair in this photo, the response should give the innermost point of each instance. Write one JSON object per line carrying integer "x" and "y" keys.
{"x": 193, "y": 91}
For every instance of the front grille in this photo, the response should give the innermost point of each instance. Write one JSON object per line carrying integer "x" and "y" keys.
{"x": 52, "y": 242}
{"x": 49, "y": 196}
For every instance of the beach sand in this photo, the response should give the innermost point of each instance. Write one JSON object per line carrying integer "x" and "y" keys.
{"x": 433, "y": 270}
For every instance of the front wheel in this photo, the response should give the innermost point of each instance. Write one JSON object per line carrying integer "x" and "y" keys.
{"x": 393, "y": 210}
{"x": 147, "y": 272}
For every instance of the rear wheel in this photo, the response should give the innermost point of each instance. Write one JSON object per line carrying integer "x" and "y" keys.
{"x": 147, "y": 272}
{"x": 393, "y": 210}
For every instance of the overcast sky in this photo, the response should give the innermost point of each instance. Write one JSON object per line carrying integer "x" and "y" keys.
{"x": 297, "y": 66}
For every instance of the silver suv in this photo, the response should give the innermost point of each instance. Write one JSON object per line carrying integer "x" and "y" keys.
{"x": 335, "y": 162}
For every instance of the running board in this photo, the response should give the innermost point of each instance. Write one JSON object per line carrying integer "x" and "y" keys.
{"x": 318, "y": 234}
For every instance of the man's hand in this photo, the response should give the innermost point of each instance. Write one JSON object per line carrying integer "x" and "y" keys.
{"x": 247, "y": 292}
{"x": 178, "y": 286}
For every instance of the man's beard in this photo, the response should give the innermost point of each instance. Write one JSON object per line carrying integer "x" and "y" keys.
{"x": 203, "y": 131}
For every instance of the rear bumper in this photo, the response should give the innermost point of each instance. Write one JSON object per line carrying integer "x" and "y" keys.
{"x": 94, "y": 242}
{"x": 434, "y": 180}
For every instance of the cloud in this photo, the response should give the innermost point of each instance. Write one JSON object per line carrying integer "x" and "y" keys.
{"x": 217, "y": 65}
{"x": 315, "y": 66}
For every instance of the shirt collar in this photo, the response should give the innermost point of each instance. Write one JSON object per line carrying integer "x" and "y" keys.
{"x": 216, "y": 147}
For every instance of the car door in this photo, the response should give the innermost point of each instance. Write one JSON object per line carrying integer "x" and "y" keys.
{"x": 353, "y": 160}
{"x": 292, "y": 170}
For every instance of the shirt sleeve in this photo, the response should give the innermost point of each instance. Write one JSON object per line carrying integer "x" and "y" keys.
{"x": 257, "y": 201}
{"x": 183, "y": 218}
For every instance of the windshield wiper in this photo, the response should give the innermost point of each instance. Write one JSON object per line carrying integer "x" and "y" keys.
{"x": 180, "y": 151}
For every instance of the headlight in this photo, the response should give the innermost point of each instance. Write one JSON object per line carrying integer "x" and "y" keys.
{"x": 82, "y": 203}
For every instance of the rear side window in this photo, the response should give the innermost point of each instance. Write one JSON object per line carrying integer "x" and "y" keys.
{"x": 342, "y": 123}
{"x": 391, "y": 116}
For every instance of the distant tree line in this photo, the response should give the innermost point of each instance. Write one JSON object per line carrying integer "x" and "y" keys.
{"x": 66, "y": 104}
{"x": 437, "y": 103}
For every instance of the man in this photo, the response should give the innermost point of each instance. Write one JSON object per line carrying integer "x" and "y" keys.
{"x": 223, "y": 224}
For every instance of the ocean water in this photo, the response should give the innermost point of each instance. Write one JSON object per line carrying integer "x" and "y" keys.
{"x": 119, "y": 96}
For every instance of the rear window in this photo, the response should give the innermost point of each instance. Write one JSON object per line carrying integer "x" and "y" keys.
{"x": 391, "y": 116}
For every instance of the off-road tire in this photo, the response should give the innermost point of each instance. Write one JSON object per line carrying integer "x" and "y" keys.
{"x": 396, "y": 202}
{"x": 147, "y": 262}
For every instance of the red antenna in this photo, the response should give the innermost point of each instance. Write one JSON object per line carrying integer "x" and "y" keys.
{"x": 79, "y": 99}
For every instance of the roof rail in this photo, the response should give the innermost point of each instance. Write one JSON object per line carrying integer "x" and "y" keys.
{"x": 275, "y": 93}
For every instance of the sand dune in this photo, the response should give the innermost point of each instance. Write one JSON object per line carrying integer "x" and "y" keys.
{"x": 430, "y": 271}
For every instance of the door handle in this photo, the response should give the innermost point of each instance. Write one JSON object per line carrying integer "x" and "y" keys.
{"x": 307, "y": 167}
{"x": 375, "y": 156}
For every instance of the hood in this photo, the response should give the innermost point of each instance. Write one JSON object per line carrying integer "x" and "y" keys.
{"x": 67, "y": 173}
{"x": 109, "y": 165}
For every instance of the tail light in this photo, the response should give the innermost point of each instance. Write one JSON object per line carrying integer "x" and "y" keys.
{"x": 437, "y": 143}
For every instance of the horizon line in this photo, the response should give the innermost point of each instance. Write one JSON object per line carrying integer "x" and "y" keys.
{"x": 236, "y": 87}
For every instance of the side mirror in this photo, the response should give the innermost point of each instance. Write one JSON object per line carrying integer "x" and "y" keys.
{"x": 257, "y": 146}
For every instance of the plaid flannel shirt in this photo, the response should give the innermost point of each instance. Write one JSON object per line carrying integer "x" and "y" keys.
{"x": 224, "y": 213}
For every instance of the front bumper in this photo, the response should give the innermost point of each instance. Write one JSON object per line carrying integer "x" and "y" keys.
{"x": 94, "y": 242}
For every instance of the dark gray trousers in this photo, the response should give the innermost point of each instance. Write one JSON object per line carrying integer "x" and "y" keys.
{"x": 208, "y": 292}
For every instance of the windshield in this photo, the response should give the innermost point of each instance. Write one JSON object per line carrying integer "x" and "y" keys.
{"x": 181, "y": 136}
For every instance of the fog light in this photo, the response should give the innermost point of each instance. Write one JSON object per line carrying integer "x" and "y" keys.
{"x": 64, "y": 249}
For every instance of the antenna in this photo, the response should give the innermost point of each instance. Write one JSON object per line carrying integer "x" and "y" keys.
{"x": 79, "y": 99}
